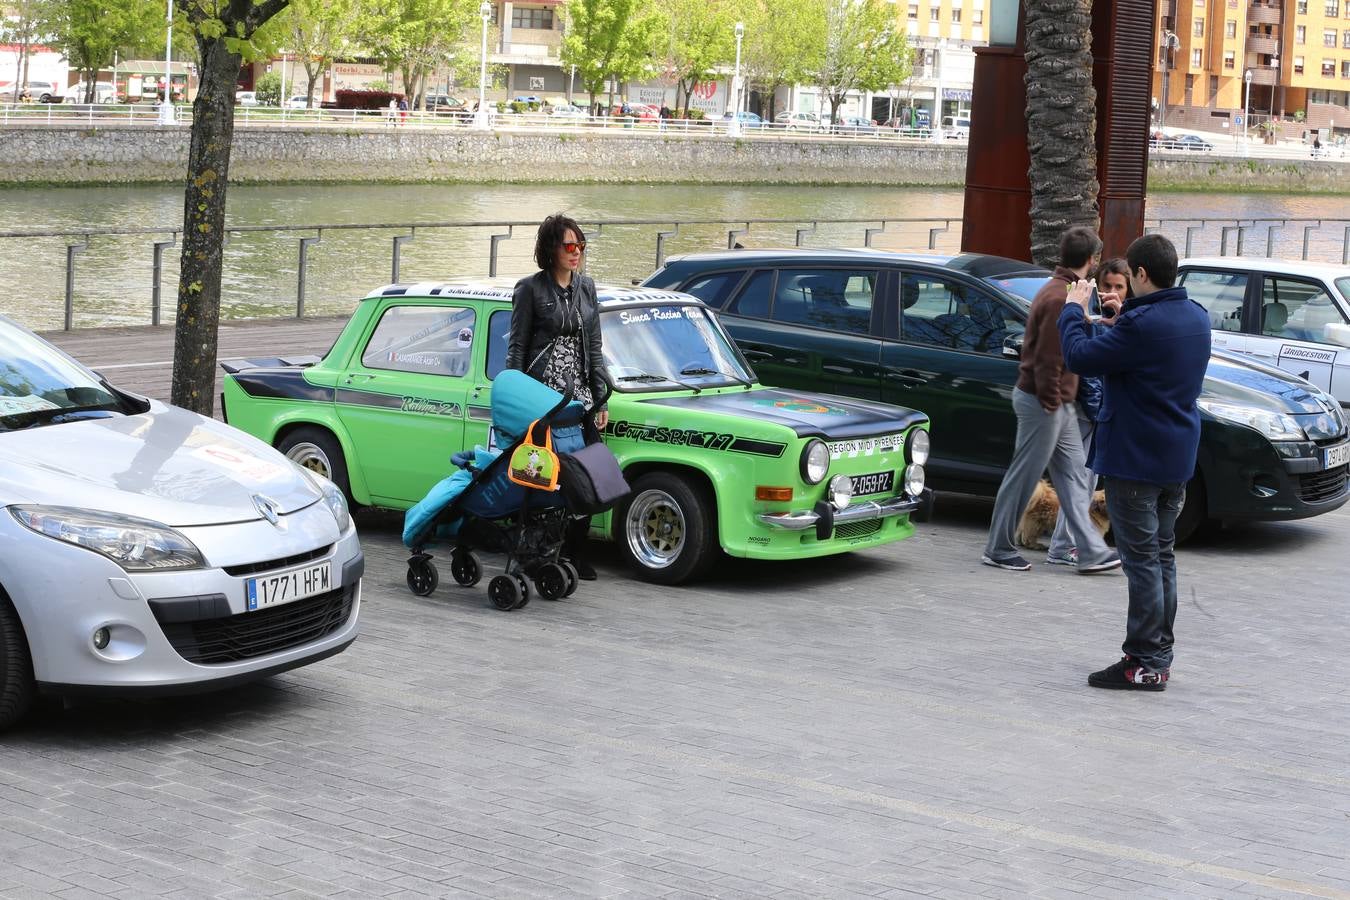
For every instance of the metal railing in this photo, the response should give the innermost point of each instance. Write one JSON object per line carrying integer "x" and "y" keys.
{"x": 1317, "y": 239}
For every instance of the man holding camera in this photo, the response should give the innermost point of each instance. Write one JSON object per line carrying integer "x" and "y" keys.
{"x": 1152, "y": 362}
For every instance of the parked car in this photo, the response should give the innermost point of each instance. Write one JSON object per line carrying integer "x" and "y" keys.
{"x": 943, "y": 334}
{"x": 148, "y": 549}
{"x": 747, "y": 119}
{"x": 36, "y": 91}
{"x": 103, "y": 92}
{"x": 797, "y": 121}
{"x": 854, "y": 125}
{"x": 1161, "y": 141}
{"x": 956, "y": 128}
{"x": 1294, "y": 315}
{"x": 716, "y": 461}
{"x": 567, "y": 112}
{"x": 299, "y": 101}
{"x": 245, "y": 98}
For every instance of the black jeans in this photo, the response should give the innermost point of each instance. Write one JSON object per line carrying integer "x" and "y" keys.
{"x": 1144, "y": 520}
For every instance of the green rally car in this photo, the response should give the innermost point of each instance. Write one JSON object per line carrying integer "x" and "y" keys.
{"x": 715, "y": 459}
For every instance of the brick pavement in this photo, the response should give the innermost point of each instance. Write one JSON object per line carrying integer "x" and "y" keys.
{"x": 892, "y": 723}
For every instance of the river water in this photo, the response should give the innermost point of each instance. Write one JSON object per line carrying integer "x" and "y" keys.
{"x": 113, "y": 274}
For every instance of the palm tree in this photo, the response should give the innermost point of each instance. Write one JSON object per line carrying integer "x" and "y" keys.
{"x": 1061, "y": 121}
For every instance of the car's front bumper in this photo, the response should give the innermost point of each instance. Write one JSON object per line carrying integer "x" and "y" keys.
{"x": 182, "y": 631}
{"x": 824, "y": 517}
{"x": 1248, "y": 479}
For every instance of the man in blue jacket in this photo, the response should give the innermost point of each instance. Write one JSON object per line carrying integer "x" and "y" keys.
{"x": 1152, "y": 363}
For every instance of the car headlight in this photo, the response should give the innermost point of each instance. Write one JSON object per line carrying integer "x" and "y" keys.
{"x": 1275, "y": 426}
{"x": 333, "y": 497}
{"x": 917, "y": 451}
{"x": 815, "y": 461}
{"x": 137, "y": 545}
{"x": 914, "y": 480}
{"x": 841, "y": 491}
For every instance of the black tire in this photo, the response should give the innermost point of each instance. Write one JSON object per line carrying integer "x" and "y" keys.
{"x": 666, "y": 528}
{"x": 504, "y": 592}
{"x": 573, "y": 579}
{"x": 1194, "y": 518}
{"x": 422, "y": 577}
{"x": 551, "y": 581}
{"x": 465, "y": 568}
{"x": 318, "y": 450}
{"x": 524, "y": 586}
{"x": 16, "y": 667}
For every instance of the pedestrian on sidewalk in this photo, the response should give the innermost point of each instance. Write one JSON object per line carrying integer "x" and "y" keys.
{"x": 1152, "y": 362}
{"x": 1047, "y": 425}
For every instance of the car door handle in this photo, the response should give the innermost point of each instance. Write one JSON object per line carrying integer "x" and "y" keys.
{"x": 840, "y": 370}
{"x": 907, "y": 376}
{"x": 359, "y": 376}
{"x": 756, "y": 354}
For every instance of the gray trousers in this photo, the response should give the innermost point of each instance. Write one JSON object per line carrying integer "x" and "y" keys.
{"x": 1060, "y": 542}
{"x": 1053, "y": 440}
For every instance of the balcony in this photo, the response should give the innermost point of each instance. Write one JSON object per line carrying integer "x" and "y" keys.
{"x": 1264, "y": 74}
{"x": 1260, "y": 43}
{"x": 1264, "y": 14}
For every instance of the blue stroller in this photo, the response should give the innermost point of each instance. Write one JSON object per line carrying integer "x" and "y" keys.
{"x": 479, "y": 508}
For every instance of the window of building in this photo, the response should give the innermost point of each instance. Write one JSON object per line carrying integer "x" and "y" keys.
{"x": 1302, "y": 7}
{"x": 1328, "y": 68}
{"x": 1345, "y": 40}
{"x": 1298, "y": 65}
{"x": 956, "y": 15}
{"x": 977, "y": 17}
{"x": 1329, "y": 37}
{"x": 1230, "y": 29}
{"x": 1197, "y": 57}
{"x": 1198, "y": 27}
{"x": 1345, "y": 68}
{"x": 934, "y": 14}
{"x": 914, "y": 11}
{"x": 1229, "y": 59}
{"x": 1300, "y": 34}
{"x": 1333, "y": 8}
{"x": 532, "y": 18}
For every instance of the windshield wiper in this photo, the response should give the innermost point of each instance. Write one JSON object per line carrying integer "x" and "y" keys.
{"x": 648, "y": 377}
{"x": 704, "y": 370}
{"x": 56, "y": 415}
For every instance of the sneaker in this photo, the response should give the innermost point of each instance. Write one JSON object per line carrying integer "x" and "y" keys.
{"x": 1106, "y": 565}
{"x": 1128, "y": 675}
{"x": 1012, "y": 563}
{"x": 1068, "y": 559}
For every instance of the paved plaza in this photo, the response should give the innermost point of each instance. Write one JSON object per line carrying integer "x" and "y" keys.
{"x": 890, "y": 723}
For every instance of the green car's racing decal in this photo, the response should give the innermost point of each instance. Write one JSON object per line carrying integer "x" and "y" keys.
{"x": 431, "y": 407}
{"x": 688, "y": 437}
{"x": 797, "y": 404}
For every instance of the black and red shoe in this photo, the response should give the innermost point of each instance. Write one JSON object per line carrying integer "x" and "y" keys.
{"x": 1128, "y": 675}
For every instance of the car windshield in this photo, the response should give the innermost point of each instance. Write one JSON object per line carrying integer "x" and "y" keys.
{"x": 39, "y": 386}
{"x": 668, "y": 348}
{"x": 1343, "y": 285}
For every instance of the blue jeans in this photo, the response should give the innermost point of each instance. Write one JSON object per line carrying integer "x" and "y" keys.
{"x": 1144, "y": 521}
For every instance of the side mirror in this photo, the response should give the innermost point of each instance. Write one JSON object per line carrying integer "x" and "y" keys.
{"x": 1337, "y": 333}
{"x": 1012, "y": 346}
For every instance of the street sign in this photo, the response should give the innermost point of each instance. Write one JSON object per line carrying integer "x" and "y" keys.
{"x": 1237, "y": 120}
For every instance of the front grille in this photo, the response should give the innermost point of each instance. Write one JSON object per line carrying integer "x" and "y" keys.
{"x": 1320, "y": 486}
{"x": 858, "y": 529}
{"x": 283, "y": 562}
{"x": 253, "y": 634}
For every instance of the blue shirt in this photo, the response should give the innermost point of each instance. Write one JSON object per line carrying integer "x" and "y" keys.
{"x": 1152, "y": 363}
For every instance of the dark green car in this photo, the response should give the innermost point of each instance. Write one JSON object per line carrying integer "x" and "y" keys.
{"x": 942, "y": 334}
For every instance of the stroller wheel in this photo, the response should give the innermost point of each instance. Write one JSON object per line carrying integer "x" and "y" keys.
{"x": 524, "y": 592}
{"x": 505, "y": 594}
{"x": 572, "y": 578}
{"x": 422, "y": 576}
{"x": 552, "y": 581}
{"x": 464, "y": 568}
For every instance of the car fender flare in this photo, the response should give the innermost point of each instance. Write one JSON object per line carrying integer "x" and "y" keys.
{"x": 288, "y": 422}
{"x": 633, "y": 468}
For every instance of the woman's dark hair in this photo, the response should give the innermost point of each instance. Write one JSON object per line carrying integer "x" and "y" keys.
{"x": 550, "y": 238}
{"x": 1116, "y": 265}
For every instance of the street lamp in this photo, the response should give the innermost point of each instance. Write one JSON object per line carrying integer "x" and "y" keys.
{"x": 1246, "y": 109}
{"x": 166, "y": 116}
{"x": 734, "y": 129}
{"x": 282, "y": 100}
{"x": 940, "y": 50}
{"x": 1171, "y": 44}
{"x": 480, "y": 118}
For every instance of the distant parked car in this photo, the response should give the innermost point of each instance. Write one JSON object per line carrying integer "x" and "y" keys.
{"x": 747, "y": 119}
{"x": 36, "y": 91}
{"x": 1159, "y": 140}
{"x": 855, "y": 125}
{"x": 444, "y": 104}
{"x": 567, "y": 112}
{"x": 245, "y": 98}
{"x": 956, "y": 128}
{"x": 103, "y": 92}
{"x": 797, "y": 121}
{"x": 299, "y": 101}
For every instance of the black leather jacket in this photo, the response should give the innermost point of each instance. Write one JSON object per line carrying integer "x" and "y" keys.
{"x": 536, "y": 320}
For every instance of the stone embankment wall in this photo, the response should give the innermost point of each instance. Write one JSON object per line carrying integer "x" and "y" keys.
{"x": 125, "y": 155}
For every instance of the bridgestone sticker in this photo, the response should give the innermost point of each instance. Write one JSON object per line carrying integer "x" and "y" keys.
{"x": 1290, "y": 351}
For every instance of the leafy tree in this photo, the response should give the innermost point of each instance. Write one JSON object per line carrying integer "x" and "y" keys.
{"x": 699, "y": 37}
{"x": 318, "y": 30}
{"x": 226, "y": 33}
{"x": 864, "y": 49}
{"x": 417, "y": 37}
{"x": 608, "y": 40}
{"x": 267, "y": 88}
{"x": 89, "y": 32}
{"x": 1061, "y": 121}
{"x": 25, "y": 26}
{"x": 779, "y": 40}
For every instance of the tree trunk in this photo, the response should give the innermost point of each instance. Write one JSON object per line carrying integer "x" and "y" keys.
{"x": 312, "y": 69}
{"x": 1061, "y": 122}
{"x": 195, "y": 337}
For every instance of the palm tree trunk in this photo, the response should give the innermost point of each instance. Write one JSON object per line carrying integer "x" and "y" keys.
{"x": 1061, "y": 122}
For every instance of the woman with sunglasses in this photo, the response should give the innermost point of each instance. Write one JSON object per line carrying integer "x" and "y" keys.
{"x": 555, "y": 337}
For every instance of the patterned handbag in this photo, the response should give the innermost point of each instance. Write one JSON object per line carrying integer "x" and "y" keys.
{"x": 533, "y": 462}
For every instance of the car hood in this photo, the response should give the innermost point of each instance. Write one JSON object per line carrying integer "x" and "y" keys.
{"x": 1236, "y": 379}
{"x": 809, "y": 415}
{"x": 169, "y": 465}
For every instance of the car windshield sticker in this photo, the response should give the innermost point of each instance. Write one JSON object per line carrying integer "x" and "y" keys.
{"x": 635, "y": 316}
{"x": 465, "y": 338}
{"x": 1293, "y": 351}
{"x": 798, "y": 404}
{"x": 688, "y": 437}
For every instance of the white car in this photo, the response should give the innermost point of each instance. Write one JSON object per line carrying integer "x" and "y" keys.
{"x": 797, "y": 121}
{"x": 1295, "y": 315}
{"x": 246, "y": 98}
{"x": 145, "y": 548}
{"x": 103, "y": 92}
{"x": 299, "y": 101}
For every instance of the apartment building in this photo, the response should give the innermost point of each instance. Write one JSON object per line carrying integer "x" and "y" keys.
{"x": 1297, "y": 53}
{"x": 944, "y": 35}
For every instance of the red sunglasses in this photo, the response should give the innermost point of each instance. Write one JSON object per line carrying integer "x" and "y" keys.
{"x": 579, "y": 247}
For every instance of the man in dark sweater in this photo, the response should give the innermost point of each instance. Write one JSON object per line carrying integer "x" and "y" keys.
{"x": 1152, "y": 361}
{"x": 1047, "y": 425}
